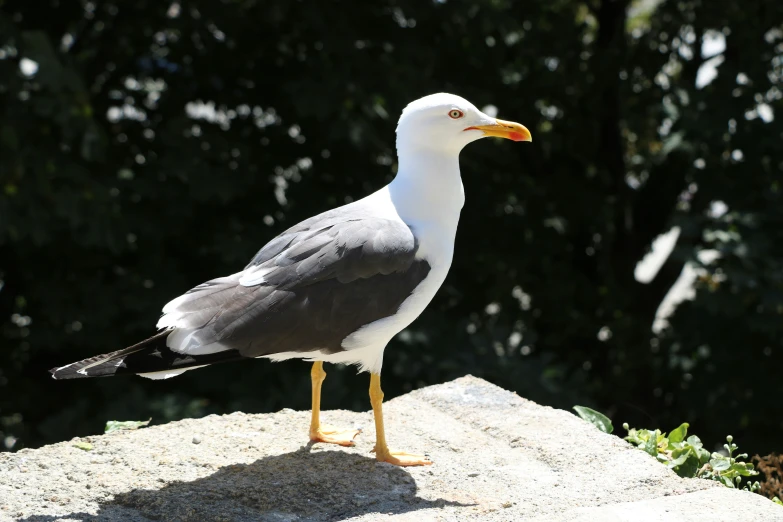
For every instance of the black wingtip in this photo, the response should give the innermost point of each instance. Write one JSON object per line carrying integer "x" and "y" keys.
{"x": 103, "y": 365}
{"x": 55, "y": 376}
{"x": 69, "y": 371}
{"x": 149, "y": 356}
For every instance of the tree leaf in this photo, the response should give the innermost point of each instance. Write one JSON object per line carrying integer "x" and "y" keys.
{"x": 597, "y": 419}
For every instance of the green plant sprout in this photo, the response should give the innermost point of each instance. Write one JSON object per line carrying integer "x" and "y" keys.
{"x": 684, "y": 454}
{"x": 687, "y": 457}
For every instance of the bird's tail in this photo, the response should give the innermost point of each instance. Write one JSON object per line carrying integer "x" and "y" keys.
{"x": 149, "y": 358}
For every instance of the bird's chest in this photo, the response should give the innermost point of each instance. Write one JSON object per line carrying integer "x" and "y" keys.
{"x": 435, "y": 240}
{"x": 436, "y": 247}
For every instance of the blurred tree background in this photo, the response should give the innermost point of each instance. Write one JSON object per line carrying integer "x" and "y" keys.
{"x": 148, "y": 146}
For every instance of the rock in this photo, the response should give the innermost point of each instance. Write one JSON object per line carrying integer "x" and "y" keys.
{"x": 516, "y": 461}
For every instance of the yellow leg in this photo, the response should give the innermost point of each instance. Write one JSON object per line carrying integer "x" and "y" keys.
{"x": 382, "y": 452}
{"x": 320, "y": 433}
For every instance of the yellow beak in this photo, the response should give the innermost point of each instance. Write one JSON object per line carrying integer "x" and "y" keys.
{"x": 505, "y": 129}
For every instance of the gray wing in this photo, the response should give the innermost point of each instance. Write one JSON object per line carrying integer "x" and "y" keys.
{"x": 307, "y": 289}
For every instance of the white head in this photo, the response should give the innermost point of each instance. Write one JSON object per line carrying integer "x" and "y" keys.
{"x": 446, "y": 123}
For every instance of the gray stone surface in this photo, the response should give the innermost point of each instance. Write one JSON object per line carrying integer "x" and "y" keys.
{"x": 497, "y": 457}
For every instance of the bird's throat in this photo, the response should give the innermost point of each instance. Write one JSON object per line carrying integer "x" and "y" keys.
{"x": 428, "y": 186}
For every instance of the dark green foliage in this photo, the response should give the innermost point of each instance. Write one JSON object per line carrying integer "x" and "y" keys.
{"x": 113, "y": 199}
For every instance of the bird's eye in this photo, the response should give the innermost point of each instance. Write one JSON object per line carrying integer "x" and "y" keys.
{"x": 455, "y": 114}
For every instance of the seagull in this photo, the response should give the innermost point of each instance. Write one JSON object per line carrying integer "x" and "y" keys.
{"x": 337, "y": 287}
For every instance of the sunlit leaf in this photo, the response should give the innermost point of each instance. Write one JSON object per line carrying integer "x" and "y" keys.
{"x": 112, "y": 426}
{"x": 720, "y": 464}
{"x": 597, "y": 419}
{"x": 651, "y": 445}
{"x": 678, "y": 434}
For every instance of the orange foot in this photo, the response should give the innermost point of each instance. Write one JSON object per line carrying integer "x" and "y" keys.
{"x": 334, "y": 436}
{"x": 400, "y": 458}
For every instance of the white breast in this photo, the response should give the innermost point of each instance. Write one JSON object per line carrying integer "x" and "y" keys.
{"x": 431, "y": 208}
{"x": 436, "y": 246}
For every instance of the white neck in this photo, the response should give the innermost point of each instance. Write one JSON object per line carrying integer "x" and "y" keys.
{"x": 428, "y": 186}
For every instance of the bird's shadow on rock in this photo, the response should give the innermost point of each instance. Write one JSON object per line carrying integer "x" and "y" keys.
{"x": 297, "y": 486}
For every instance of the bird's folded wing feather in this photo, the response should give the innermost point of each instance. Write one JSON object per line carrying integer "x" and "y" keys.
{"x": 307, "y": 289}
